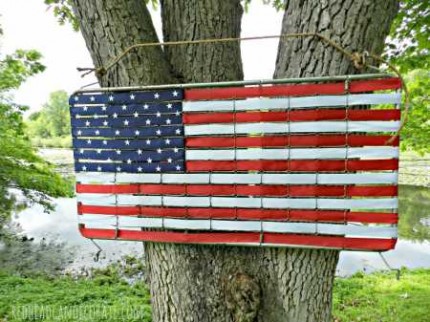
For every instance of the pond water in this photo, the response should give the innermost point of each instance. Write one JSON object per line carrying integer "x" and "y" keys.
{"x": 412, "y": 250}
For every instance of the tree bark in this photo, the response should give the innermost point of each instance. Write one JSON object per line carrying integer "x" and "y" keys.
{"x": 109, "y": 27}
{"x": 207, "y": 19}
{"x": 224, "y": 283}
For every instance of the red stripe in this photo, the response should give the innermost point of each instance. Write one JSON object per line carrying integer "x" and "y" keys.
{"x": 244, "y": 214}
{"x": 292, "y": 116}
{"x": 241, "y": 190}
{"x": 245, "y": 238}
{"x": 292, "y": 165}
{"x": 291, "y": 90}
{"x": 291, "y": 140}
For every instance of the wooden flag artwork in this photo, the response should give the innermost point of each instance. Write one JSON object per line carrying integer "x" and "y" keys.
{"x": 286, "y": 163}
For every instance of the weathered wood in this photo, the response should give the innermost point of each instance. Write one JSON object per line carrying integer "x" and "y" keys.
{"x": 220, "y": 283}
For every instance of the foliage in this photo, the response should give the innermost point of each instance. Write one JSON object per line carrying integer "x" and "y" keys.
{"x": 380, "y": 297}
{"x": 416, "y": 133}
{"x": 20, "y": 167}
{"x": 52, "y": 122}
{"x": 63, "y": 10}
{"x": 409, "y": 45}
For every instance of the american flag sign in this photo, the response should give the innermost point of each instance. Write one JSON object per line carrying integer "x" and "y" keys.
{"x": 282, "y": 164}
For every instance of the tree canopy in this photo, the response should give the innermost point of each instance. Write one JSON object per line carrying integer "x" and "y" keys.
{"x": 51, "y": 125}
{"x": 21, "y": 169}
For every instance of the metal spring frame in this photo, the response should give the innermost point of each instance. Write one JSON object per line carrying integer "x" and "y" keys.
{"x": 240, "y": 83}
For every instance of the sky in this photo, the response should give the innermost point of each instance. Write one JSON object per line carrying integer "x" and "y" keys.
{"x": 27, "y": 24}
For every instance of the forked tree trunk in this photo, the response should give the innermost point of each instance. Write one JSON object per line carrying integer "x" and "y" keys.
{"x": 223, "y": 283}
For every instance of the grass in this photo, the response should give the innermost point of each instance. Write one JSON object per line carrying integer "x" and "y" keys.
{"x": 377, "y": 297}
{"x": 105, "y": 297}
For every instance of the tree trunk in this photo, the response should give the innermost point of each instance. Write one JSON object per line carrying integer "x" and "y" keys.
{"x": 225, "y": 283}
{"x": 109, "y": 27}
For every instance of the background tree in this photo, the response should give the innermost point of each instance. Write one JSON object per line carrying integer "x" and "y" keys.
{"x": 53, "y": 120}
{"x": 218, "y": 283}
{"x": 20, "y": 167}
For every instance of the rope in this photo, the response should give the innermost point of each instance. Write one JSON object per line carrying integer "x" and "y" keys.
{"x": 358, "y": 59}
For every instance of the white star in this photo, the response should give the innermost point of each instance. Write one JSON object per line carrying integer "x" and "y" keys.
{"x": 81, "y": 151}
{"x": 99, "y": 151}
{"x": 115, "y": 115}
{"x": 132, "y": 97}
{"x": 85, "y": 108}
{"x": 146, "y": 106}
{"x": 117, "y": 132}
{"x": 175, "y": 93}
{"x": 127, "y": 142}
{"x": 118, "y": 169}
{"x": 126, "y": 122}
{"x": 104, "y": 142}
{"x": 129, "y": 161}
{"x": 169, "y": 160}
{"x": 99, "y": 168}
{"x": 148, "y": 141}
{"x": 92, "y": 98}
{"x": 139, "y": 169}
{"x": 148, "y": 122}
{"x": 136, "y": 114}
{"x": 175, "y": 149}
{"x": 169, "y": 106}
{"x": 96, "y": 116}
{"x": 104, "y": 108}
{"x": 137, "y": 132}
{"x": 88, "y": 141}
{"x": 87, "y": 123}
{"x": 79, "y": 132}
{"x": 167, "y": 141}
{"x": 156, "y": 95}
{"x": 178, "y": 167}
{"x": 139, "y": 151}
{"x": 158, "y": 114}
{"x": 77, "y": 116}
{"x": 124, "y": 107}
{"x": 118, "y": 152}
{"x": 109, "y": 160}
{"x": 84, "y": 168}
{"x": 159, "y": 151}
{"x": 168, "y": 121}
{"x": 105, "y": 123}
{"x": 158, "y": 169}
{"x": 178, "y": 131}
{"x": 177, "y": 113}
{"x": 149, "y": 160}
{"x": 76, "y": 98}
{"x": 97, "y": 132}
{"x": 111, "y": 98}
{"x": 158, "y": 132}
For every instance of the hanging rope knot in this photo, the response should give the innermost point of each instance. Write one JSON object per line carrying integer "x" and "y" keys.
{"x": 359, "y": 59}
{"x": 99, "y": 72}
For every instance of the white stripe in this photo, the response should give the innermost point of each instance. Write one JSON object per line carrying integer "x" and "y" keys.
{"x": 291, "y": 102}
{"x": 241, "y": 178}
{"x": 292, "y": 127}
{"x": 236, "y": 202}
{"x": 285, "y": 154}
{"x": 127, "y": 222}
